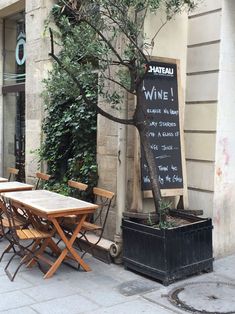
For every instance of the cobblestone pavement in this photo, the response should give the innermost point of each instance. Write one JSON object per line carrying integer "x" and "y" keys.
{"x": 112, "y": 289}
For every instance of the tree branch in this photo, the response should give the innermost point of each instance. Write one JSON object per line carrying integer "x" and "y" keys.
{"x": 125, "y": 33}
{"x": 82, "y": 91}
{"x": 115, "y": 119}
{"x": 118, "y": 83}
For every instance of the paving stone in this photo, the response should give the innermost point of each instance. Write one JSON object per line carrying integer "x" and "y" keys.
{"x": 51, "y": 290}
{"x": 134, "y": 307}
{"x": 25, "y": 310}
{"x": 106, "y": 296}
{"x": 74, "y": 304}
{"x": 16, "y": 299}
{"x": 225, "y": 267}
{"x": 6, "y": 285}
{"x": 137, "y": 286}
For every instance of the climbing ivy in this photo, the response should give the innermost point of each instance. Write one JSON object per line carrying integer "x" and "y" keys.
{"x": 69, "y": 127}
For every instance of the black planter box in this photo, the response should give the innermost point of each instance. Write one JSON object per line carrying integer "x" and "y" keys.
{"x": 168, "y": 254}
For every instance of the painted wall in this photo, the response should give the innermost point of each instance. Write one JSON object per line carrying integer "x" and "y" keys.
{"x": 224, "y": 199}
{"x": 209, "y": 123}
{"x": 201, "y": 103}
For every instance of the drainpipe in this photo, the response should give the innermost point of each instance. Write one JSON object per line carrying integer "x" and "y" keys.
{"x": 116, "y": 247}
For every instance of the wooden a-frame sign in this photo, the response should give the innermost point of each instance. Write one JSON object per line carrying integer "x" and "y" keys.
{"x": 162, "y": 99}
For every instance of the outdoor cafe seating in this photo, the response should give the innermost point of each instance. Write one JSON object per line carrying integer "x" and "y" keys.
{"x": 28, "y": 238}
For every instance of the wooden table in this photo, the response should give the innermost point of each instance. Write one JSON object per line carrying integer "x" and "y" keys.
{"x": 15, "y": 186}
{"x": 54, "y": 207}
{"x": 3, "y": 179}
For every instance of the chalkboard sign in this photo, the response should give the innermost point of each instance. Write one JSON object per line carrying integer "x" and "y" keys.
{"x": 159, "y": 96}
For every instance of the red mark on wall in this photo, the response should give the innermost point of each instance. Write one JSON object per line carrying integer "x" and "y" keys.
{"x": 219, "y": 172}
{"x": 224, "y": 143}
{"x": 217, "y": 218}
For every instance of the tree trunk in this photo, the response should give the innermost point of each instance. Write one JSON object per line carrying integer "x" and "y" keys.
{"x": 152, "y": 168}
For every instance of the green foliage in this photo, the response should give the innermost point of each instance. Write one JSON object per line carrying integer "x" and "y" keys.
{"x": 69, "y": 145}
{"x": 163, "y": 223}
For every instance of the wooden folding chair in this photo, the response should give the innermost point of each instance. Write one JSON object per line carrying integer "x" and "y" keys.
{"x": 21, "y": 220}
{"x": 103, "y": 198}
{"x": 18, "y": 241}
{"x": 41, "y": 177}
{"x": 69, "y": 222}
{"x": 13, "y": 172}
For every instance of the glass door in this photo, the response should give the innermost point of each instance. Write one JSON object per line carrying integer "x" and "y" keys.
{"x": 14, "y": 133}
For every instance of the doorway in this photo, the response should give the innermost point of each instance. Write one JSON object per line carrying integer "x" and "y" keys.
{"x": 14, "y": 57}
{"x": 14, "y": 133}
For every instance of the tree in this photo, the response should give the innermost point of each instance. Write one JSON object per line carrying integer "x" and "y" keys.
{"x": 98, "y": 27}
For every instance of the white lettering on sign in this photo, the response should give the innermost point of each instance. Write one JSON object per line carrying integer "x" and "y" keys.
{"x": 155, "y": 94}
{"x": 161, "y": 180}
{"x": 161, "y": 70}
{"x": 154, "y": 147}
{"x": 154, "y": 111}
{"x": 174, "y": 112}
{"x": 153, "y": 123}
{"x": 167, "y": 124}
{"x": 174, "y": 168}
{"x": 167, "y": 134}
{"x": 151, "y": 134}
{"x": 146, "y": 179}
{"x": 165, "y": 147}
{"x": 177, "y": 179}
{"x": 168, "y": 178}
{"x": 163, "y": 168}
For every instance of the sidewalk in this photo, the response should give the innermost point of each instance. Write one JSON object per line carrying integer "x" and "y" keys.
{"x": 112, "y": 289}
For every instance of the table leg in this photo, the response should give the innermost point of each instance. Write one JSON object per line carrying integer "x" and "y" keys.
{"x": 69, "y": 247}
{"x": 56, "y": 264}
{"x": 39, "y": 252}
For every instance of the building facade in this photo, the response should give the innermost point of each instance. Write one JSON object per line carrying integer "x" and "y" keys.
{"x": 204, "y": 44}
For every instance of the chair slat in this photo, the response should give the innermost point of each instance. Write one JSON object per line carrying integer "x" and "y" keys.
{"x": 102, "y": 192}
{"x": 12, "y": 171}
{"x": 22, "y": 235}
{"x": 77, "y": 185}
{"x": 90, "y": 226}
{"x": 43, "y": 176}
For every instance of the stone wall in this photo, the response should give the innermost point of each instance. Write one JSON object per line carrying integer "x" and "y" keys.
{"x": 37, "y": 65}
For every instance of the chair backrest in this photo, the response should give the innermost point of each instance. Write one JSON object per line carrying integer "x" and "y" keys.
{"x": 77, "y": 185}
{"x": 7, "y": 209}
{"x": 12, "y": 172}
{"x": 41, "y": 177}
{"x": 103, "y": 198}
{"x": 79, "y": 188}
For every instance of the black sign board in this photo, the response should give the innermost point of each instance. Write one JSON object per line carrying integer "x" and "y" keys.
{"x": 159, "y": 96}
